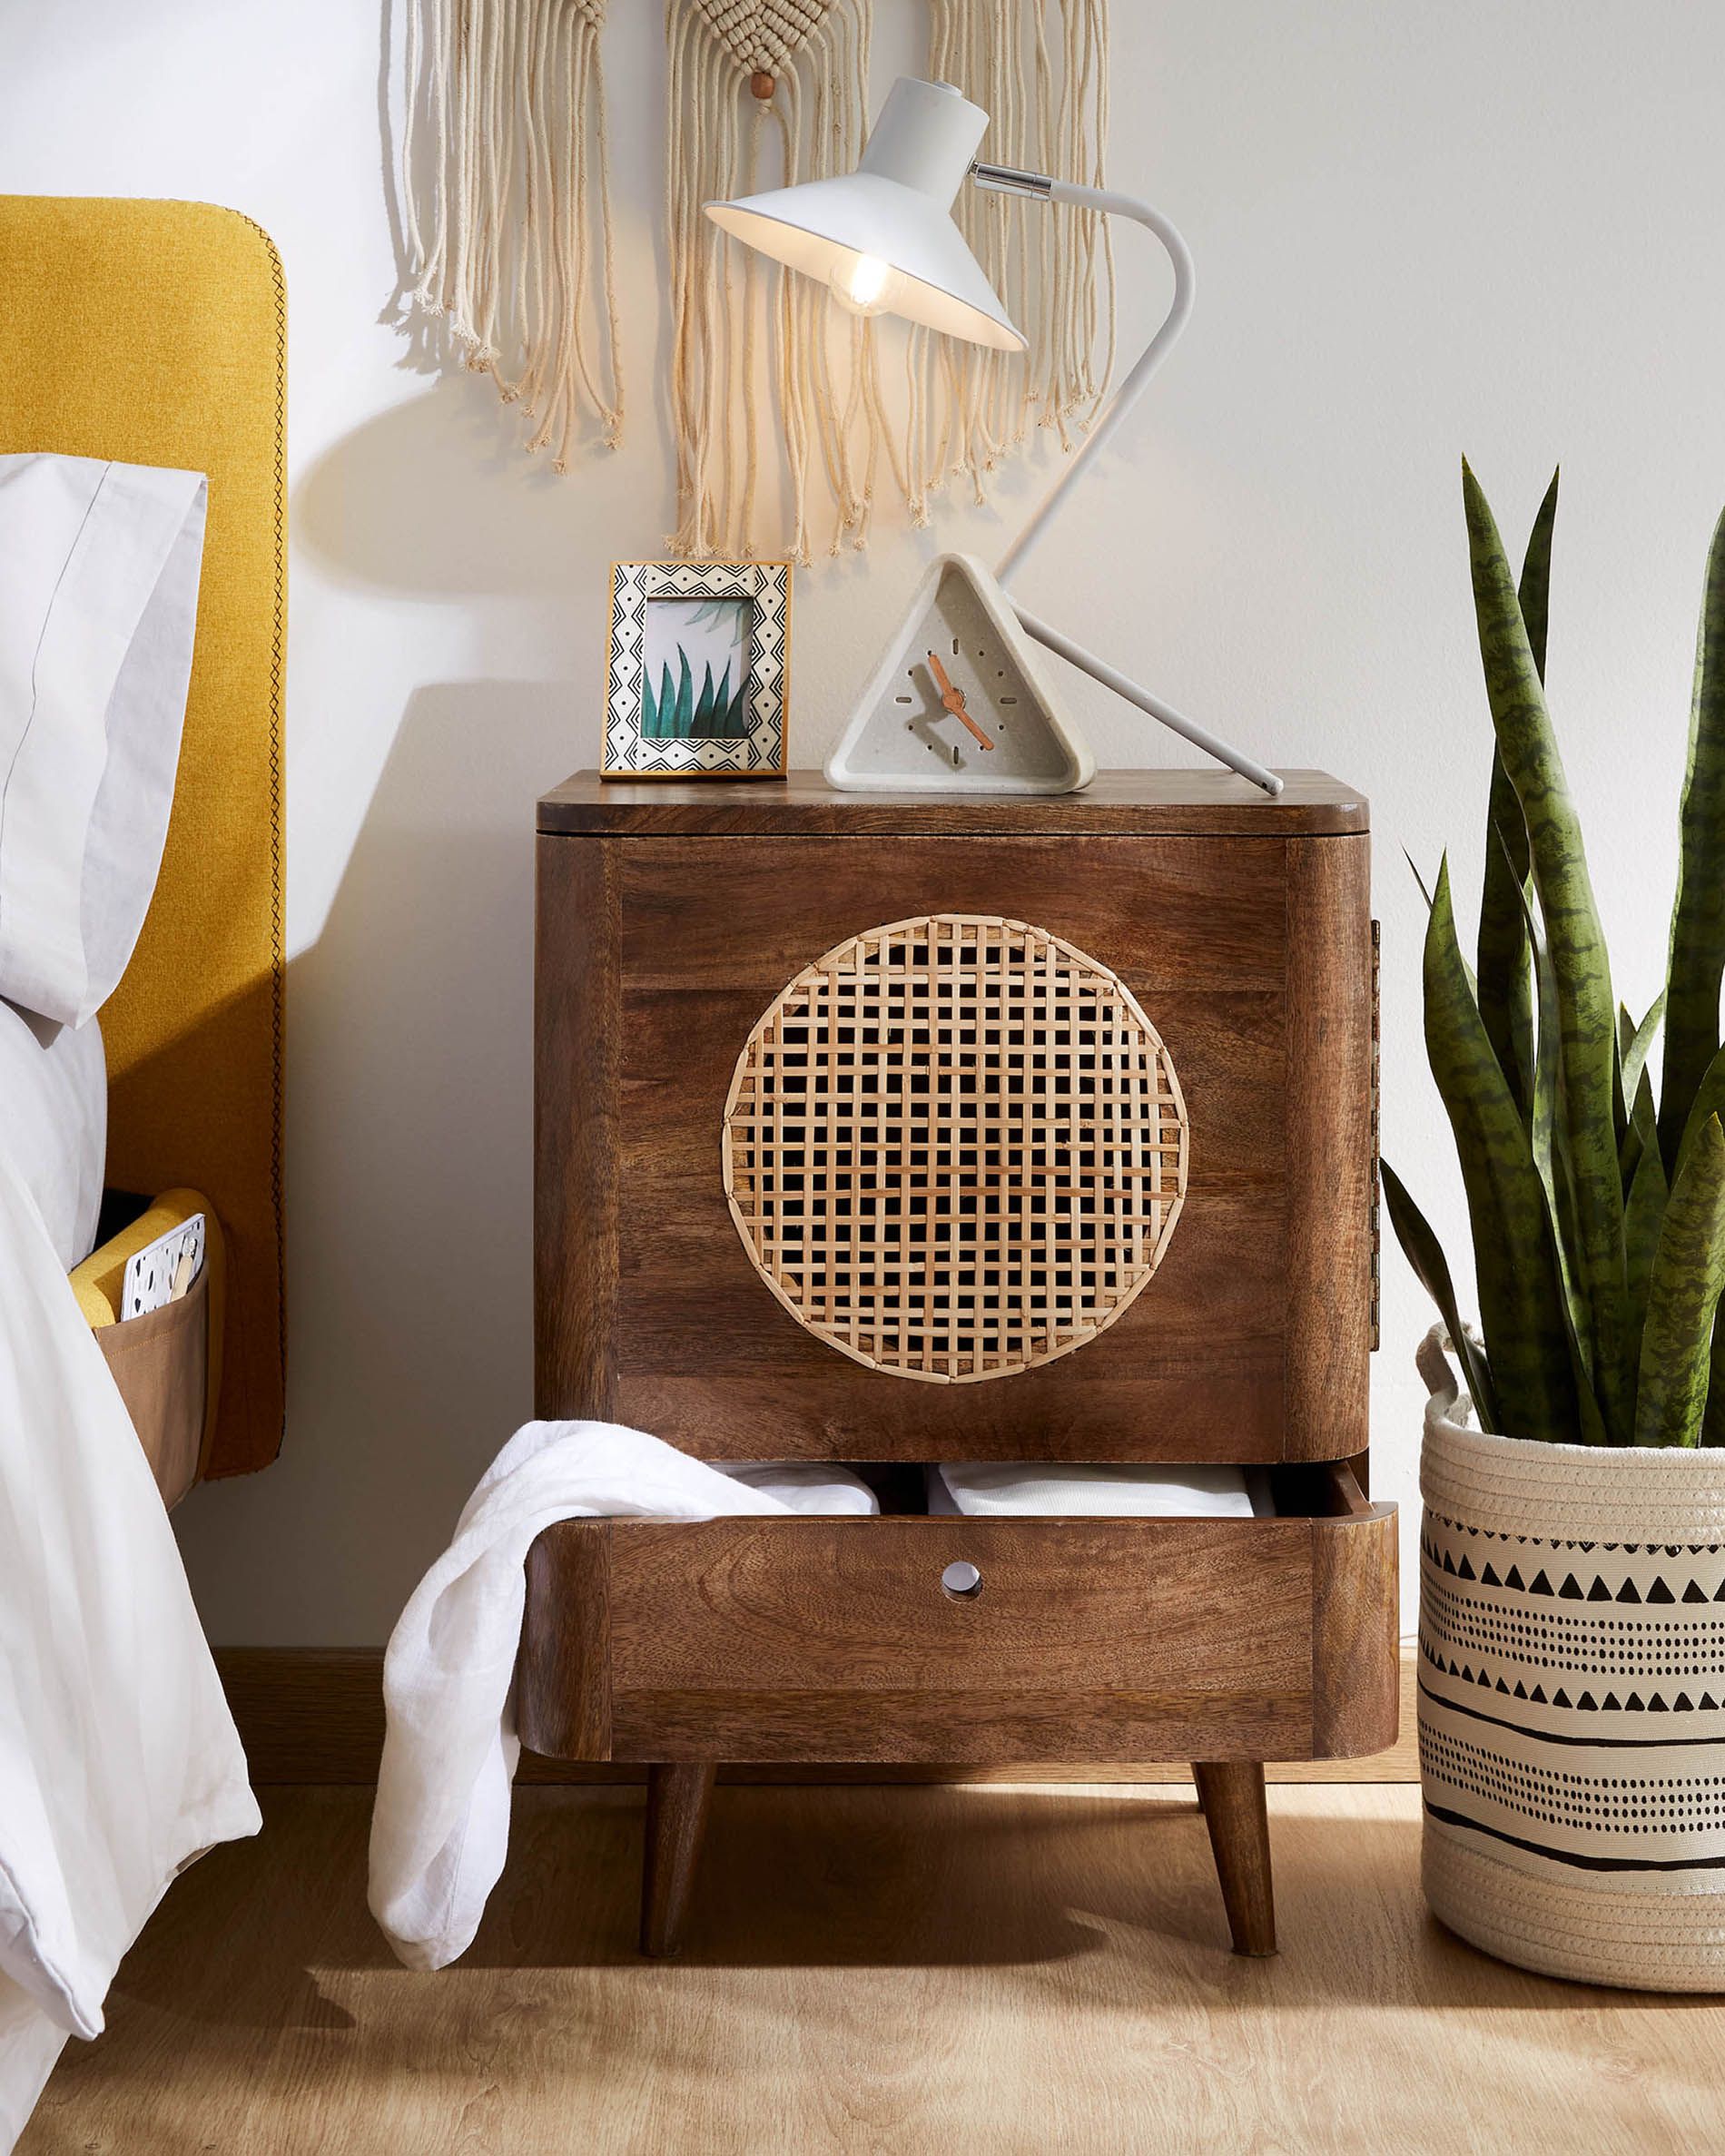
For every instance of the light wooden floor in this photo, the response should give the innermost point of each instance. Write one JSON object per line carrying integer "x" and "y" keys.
{"x": 967, "y": 1971}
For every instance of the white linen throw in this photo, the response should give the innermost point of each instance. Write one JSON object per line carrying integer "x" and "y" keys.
{"x": 440, "y": 1829}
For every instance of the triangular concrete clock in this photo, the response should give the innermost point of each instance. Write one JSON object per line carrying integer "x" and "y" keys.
{"x": 960, "y": 671}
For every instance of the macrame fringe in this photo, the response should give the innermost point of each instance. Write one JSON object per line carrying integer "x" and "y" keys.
{"x": 506, "y": 214}
{"x": 740, "y": 71}
{"x": 506, "y": 204}
{"x": 1038, "y": 68}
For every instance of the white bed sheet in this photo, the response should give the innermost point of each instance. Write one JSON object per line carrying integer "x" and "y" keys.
{"x": 54, "y": 1115}
{"x": 119, "y": 1760}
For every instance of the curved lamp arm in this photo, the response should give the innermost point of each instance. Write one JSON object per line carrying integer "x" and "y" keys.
{"x": 1009, "y": 180}
{"x": 1136, "y": 380}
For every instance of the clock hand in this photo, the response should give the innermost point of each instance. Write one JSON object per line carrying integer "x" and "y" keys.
{"x": 953, "y": 699}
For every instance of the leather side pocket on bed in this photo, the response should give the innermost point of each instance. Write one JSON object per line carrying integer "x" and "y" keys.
{"x": 160, "y": 1362}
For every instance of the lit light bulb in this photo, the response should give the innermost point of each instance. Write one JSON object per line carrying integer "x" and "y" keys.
{"x": 862, "y": 284}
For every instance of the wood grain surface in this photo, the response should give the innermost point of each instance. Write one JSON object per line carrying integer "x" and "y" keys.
{"x": 789, "y": 1640}
{"x": 1331, "y": 1153}
{"x": 576, "y": 1126}
{"x": 1223, "y": 1356}
{"x": 907, "y": 1973}
{"x": 804, "y": 805}
{"x": 311, "y": 1716}
{"x": 677, "y": 1802}
{"x": 1232, "y": 1795}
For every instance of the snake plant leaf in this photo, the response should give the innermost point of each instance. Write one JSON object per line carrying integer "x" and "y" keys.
{"x": 1643, "y": 1216}
{"x": 1643, "y": 1125}
{"x": 1533, "y": 593}
{"x": 1635, "y": 1042}
{"x": 1503, "y": 960}
{"x": 1709, "y": 1101}
{"x": 1515, "y": 1265}
{"x": 1425, "y": 1254}
{"x": 1541, "y": 1106}
{"x": 1505, "y": 997}
{"x": 1698, "y": 915}
{"x": 1629, "y": 1149}
{"x": 1552, "y": 1166}
{"x": 1682, "y": 1298}
{"x": 1579, "y": 959}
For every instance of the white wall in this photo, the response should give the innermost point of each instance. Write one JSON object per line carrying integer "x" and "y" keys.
{"x": 1490, "y": 225}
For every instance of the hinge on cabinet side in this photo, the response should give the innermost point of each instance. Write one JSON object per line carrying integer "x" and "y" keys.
{"x": 1377, "y": 1233}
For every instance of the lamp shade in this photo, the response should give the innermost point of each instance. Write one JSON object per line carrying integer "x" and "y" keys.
{"x": 884, "y": 236}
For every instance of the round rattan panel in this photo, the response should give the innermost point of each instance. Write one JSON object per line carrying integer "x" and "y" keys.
{"x": 955, "y": 1148}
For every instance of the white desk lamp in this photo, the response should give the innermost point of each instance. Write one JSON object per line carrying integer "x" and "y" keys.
{"x": 883, "y": 239}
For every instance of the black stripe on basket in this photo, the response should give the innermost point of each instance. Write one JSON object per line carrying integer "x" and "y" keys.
{"x": 1603, "y": 1744}
{"x": 1581, "y": 1863}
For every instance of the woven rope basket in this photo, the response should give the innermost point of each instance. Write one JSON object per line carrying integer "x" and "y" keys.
{"x": 1572, "y": 1700}
{"x": 955, "y": 1148}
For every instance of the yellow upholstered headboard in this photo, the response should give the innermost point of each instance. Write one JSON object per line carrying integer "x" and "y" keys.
{"x": 155, "y": 333}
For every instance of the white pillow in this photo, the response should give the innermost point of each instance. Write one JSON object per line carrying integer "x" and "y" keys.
{"x": 99, "y": 566}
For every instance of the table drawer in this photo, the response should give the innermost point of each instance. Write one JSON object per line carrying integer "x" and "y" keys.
{"x": 800, "y": 1640}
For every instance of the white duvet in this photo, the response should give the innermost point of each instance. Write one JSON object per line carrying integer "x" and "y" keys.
{"x": 119, "y": 1761}
{"x": 54, "y": 1110}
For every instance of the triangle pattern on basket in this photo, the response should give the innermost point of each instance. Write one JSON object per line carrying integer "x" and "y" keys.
{"x": 1580, "y": 1588}
{"x": 1632, "y": 1702}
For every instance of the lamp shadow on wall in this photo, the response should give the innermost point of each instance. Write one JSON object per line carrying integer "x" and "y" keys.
{"x": 409, "y": 1034}
{"x": 414, "y": 1023}
{"x": 409, "y": 1091}
{"x": 436, "y": 495}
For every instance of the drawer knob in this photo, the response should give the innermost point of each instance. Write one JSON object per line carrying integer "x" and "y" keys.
{"x": 962, "y": 1581}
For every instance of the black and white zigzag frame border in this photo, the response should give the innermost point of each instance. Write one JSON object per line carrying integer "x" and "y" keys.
{"x": 724, "y": 738}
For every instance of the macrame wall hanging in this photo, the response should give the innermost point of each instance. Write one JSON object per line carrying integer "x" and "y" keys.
{"x": 506, "y": 205}
{"x": 789, "y": 416}
{"x": 740, "y": 70}
{"x": 1039, "y": 70}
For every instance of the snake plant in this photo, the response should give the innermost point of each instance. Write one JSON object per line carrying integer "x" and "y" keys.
{"x": 1598, "y": 1216}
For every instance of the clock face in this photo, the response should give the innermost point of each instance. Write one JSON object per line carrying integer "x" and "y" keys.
{"x": 959, "y": 704}
{"x": 969, "y": 689}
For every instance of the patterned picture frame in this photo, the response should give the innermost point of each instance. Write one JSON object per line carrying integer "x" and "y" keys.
{"x": 684, "y": 720}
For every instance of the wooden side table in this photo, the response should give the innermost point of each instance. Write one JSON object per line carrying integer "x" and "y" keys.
{"x": 888, "y": 1130}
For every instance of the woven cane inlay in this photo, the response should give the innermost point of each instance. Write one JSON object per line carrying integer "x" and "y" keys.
{"x": 955, "y": 1148}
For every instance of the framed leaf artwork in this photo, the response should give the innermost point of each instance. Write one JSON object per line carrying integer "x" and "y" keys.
{"x": 697, "y": 670}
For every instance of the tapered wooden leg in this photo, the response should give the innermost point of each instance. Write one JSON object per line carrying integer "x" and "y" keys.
{"x": 1231, "y": 1793}
{"x": 676, "y": 1810}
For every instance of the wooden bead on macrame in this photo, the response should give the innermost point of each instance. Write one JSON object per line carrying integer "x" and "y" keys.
{"x": 762, "y": 83}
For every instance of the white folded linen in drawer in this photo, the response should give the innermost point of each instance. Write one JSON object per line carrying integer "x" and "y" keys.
{"x": 805, "y": 1485}
{"x": 1061, "y": 1490}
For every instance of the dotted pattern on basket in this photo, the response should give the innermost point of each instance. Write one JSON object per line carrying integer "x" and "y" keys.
{"x": 1581, "y": 1802}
